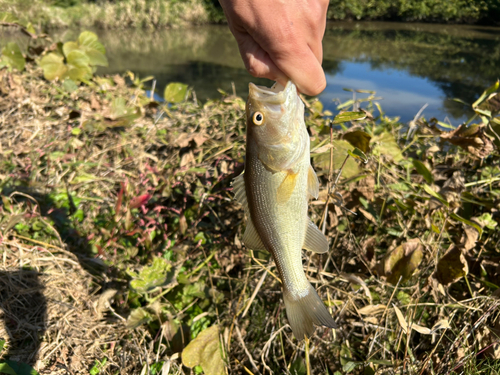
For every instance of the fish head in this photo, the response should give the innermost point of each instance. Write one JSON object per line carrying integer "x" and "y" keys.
{"x": 275, "y": 122}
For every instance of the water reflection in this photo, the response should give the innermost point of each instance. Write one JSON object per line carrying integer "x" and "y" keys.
{"x": 409, "y": 65}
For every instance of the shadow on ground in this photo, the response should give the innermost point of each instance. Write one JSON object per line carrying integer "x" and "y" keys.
{"x": 23, "y": 306}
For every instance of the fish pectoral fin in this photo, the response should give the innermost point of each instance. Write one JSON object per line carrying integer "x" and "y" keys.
{"x": 285, "y": 189}
{"x": 315, "y": 240}
{"x": 312, "y": 183}
{"x": 240, "y": 193}
{"x": 251, "y": 238}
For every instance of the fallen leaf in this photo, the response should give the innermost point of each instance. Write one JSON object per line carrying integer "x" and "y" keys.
{"x": 469, "y": 238}
{"x": 452, "y": 266}
{"x": 402, "y": 261}
{"x": 442, "y": 324}
{"x": 472, "y": 139}
{"x": 372, "y": 309}
{"x": 401, "y": 319}
{"x": 204, "y": 351}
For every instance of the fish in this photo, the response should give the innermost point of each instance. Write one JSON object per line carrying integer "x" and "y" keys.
{"x": 274, "y": 190}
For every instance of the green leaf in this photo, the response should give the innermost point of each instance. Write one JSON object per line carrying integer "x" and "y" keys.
{"x": 349, "y": 116}
{"x": 204, "y": 350}
{"x": 423, "y": 171}
{"x": 358, "y": 139}
{"x": 438, "y": 196}
{"x": 2, "y": 343}
{"x": 349, "y": 366}
{"x": 358, "y": 154}
{"x": 69, "y": 85}
{"x": 340, "y": 151}
{"x": 175, "y": 92}
{"x": 6, "y": 369}
{"x": 90, "y": 41}
{"x": 98, "y": 366}
{"x": 385, "y": 145}
{"x": 485, "y": 95}
{"x": 69, "y": 47}
{"x": 21, "y": 368}
{"x": 8, "y": 17}
{"x": 298, "y": 367}
{"x": 53, "y": 66}
{"x": 151, "y": 276}
{"x": 12, "y": 57}
{"x": 78, "y": 59}
{"x": 137, "y": 318}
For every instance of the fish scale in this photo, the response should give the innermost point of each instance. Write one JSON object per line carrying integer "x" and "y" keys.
{"x": 274, "y": 190}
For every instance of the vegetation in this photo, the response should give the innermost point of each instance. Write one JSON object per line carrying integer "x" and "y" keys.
{"x": 152, "y": 14}
{"x": 121, "y": 241}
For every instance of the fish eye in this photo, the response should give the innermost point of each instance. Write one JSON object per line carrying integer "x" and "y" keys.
{"x": 258, "y": 118}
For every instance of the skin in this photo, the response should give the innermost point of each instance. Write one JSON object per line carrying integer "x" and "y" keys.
{"x": 281, "y": 39}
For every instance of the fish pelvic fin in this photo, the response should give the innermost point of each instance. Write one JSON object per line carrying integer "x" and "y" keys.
{"x": 306, "y": 310}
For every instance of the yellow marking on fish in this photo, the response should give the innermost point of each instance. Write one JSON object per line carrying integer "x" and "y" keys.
{"x": 286, "y": 188}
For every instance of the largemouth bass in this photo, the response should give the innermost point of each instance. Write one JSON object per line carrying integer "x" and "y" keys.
{"x": 274, "y": 190}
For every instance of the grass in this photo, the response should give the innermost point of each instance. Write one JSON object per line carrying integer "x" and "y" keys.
{"x": 121, "y": 241}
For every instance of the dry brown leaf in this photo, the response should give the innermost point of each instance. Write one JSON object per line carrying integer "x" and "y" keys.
{"x": 469, "y": 237}
{"x": 372, "y": 309}
{"x": 421, "y": 329}
{"x": 452, "y": 266}
{"x": 368, "y": 215}
{"x": 472, "y": 139}
{"x": 402, "y": 261}
{"x": 357, "y": 281}
{"x": 187, "y": 159}
{"x": 401, "y": 319}
{"x": 442, "y": 324}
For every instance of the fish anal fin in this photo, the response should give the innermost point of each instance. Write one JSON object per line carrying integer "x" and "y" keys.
{"x": 305, "y": 311}
{"x": 312, "y": 183}
{"x": 315, "y": 240}
{"x": 239, "y": 190}
{"x": 251, "y": 238}
{"x": 286, "y": 188}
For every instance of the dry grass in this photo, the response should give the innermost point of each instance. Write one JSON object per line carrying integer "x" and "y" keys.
{"x": 98, "y": 182}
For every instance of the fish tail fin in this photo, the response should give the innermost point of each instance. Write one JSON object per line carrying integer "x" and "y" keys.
{"x": 304, "y": 311}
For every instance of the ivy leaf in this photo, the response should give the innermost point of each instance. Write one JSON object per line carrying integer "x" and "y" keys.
{"x": 53, "y": 66}
{"x": 175, "y": 92}
{"x": 204, "y": 351}
{"x": 12, "y": 57}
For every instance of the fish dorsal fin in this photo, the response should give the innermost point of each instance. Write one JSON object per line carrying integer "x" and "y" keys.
{"x": 312, "y": 183}
{"x": 315, "y": 240}
{"x": 251, "y": 238}
{"x": 240, "y": 193}
{"x": 285, "y": 189}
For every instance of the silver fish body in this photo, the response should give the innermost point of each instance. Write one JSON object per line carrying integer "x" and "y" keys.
{"x": 274, "y": 190}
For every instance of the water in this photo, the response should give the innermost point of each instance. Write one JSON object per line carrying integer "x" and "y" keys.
{"x": 408, "y": 65}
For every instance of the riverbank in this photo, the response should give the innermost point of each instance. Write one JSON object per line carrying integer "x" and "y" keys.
{"x": 156, "y": 14}
{"x": 122, "y": 242}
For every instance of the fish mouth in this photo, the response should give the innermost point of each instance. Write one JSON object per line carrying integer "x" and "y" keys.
{"x": 277, "y": 94}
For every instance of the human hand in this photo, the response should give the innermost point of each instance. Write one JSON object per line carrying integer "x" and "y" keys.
{"x": 281, "y": 39}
